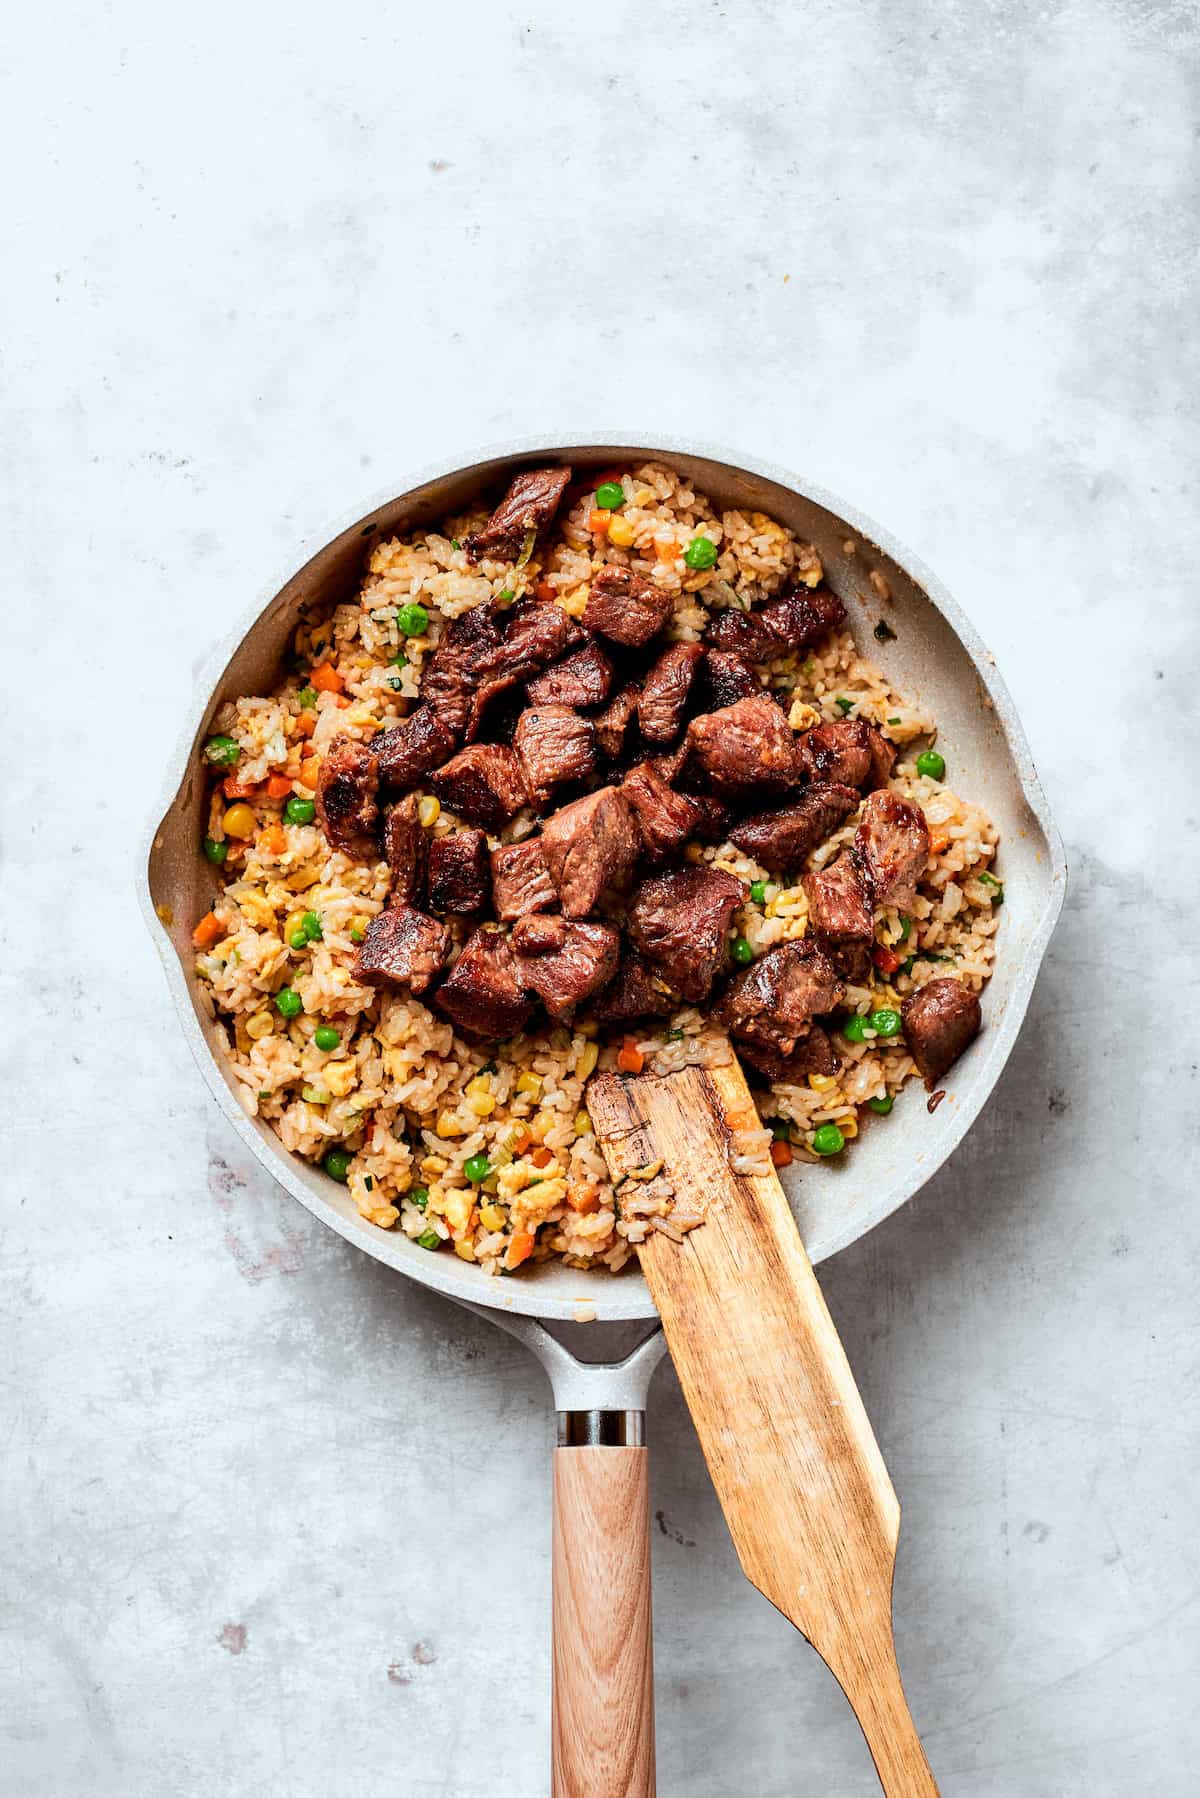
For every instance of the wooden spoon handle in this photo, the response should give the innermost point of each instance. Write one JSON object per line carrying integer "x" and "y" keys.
{"x": 603, "y": 1700}
{"x": 877, "y": 1696}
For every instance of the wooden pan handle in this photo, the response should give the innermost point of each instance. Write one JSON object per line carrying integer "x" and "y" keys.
{"x": 603, "y": 1701}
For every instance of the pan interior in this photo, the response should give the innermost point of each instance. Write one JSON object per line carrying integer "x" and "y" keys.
{"x": 933, "y": 658}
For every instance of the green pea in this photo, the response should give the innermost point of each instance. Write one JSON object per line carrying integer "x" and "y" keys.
{"x": 326, "y": 1037}
{"x": 418, "y": 1196}
{"x": 337, "y": 1165}
{"x": 610, "y": 496}
{"x": 412, "y": 620}
{"x": 758, "y": 891}
{"x": 221, "y": 752}
{"x": 742, "y": 952}
{"x": 399, "y": 660}
{"x": 828, "y": 1140}
{"x": 780, "y": 1128}
{"x": 298, "y": 939}
{"x": 931, "y": 764}
{"x": 312, "y": 927}
{"x": 701, "y": 552}
{"x": 288, "y": 1002}
{"x": 429, "y": 1239}
{"x": 306, "y": 699}
{"x": 476, "y": 1168}
{"x": 885, "y": 1023}
{"x": 854, "y": 1029}
{"x": 216, "y": 852}
{"x": 299, "y": 811}
{"x": 881, "y": 1107}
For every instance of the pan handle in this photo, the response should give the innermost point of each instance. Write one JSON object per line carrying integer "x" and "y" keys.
{"x": 602, "y": 1730}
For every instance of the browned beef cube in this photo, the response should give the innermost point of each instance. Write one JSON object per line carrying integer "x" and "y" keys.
{"x": 536, "y": 633}
{"x": 680, "y": 923}
{"x": 404, "y": 847}
{"x": 413, "y": 749}
{"x": 483, "y": 993}
{"x": 555, "y": 747}
{"x": 780, "y": 839}
{"x": 459, "y": 872}
{"x": 813, "y": 1053}
{"x": 581, "y": 679}
{"x": 346, "y": 803}
{"x": 564, "y": 962}
{"x": 521, "y": 881}
{"x": 893, "y": 842}
{"x": 839, "y": 751}
{"x": 746, "y": 750}
{"x": 402, "y": 946}
{"x": 669, "y": 764}
{"x": 771, "y": 1003}
{"x": 633, "y": 992}
{"x": 940, "y": 1019}
{"x": 727, "y": 678}
{"x": 626, "y": 607}
{"x": 665, "y": 692}
{"x": 589, "y": 845}
{"x": 883, "y": 758}
{"x": 529, "y": 505}
{"x": 482, "y": 784}
{"x": 793, "y": 621}
{"x": 459, "y": 678}
{"x": 665, "y": 819}
{"x": 839, "y": 906}
{"x": 712, "y": 826}
{"x": 612, "y": 724}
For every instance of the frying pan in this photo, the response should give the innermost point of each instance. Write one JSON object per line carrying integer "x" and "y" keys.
{"x": 596, "y": 1334}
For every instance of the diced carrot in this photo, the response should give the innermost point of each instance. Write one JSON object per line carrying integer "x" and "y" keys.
{"x": 666, "y": 549}
{"x": 339, "y": 699}
{"x": 278, "y": 786}
{"x": 543, "y": 590}
{"x": 519, "y": 1249}
{"x": 233, "y": 788}
{"x": 598, "y": 521}
{"x": 326, "y": 679}
{"x": 939, "y": 843}
{"x": 886, "y": 960}
{"x": 273, "y": 840}
{"x": 584, "y": 1199}
{"x": 305, "y": 723}
{"x": 523, "y": 1140}
{"x": 309, "y": 769}
{"x": 207, "y": 931}
{"x": 541, "y": 1157}
{"x": 630, "y": 1059}
{"x": 781, "y": 1154}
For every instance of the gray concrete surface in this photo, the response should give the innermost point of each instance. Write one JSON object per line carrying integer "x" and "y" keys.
{"x": 272, "y": 1523}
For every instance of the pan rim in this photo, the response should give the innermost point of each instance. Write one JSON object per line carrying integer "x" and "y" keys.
{"x": 628, "y": 1297}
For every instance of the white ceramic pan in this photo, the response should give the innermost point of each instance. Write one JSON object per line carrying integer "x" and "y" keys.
{"x": 936, "y": 658}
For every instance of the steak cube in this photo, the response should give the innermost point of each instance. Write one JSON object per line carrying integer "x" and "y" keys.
{"x": 633, "y": 992}
{"x": 589, "y": 845}
{"x": 582, "y": 679}
{"x": 403, "y": 947}
{"x": 626, "y": 607}
{"x": 727, "y": 678}
{"x": 529, "y": 505}
{"x": 459, "y": 872}
{"x": 404, "y": 847}
{"x": 793, "y": 621}
{"x": 482, "y": 993}
{"x": 892, "y": 841}
{"x": 665, "y": 692}
{"x": 781, "y": 839}
{"x": 555, "y": 747}
{"x": 680, "y": 923}
{"x": 813, "y": 1053}
{"x": 564, "y": 962}
{"x": 665, "y": 819}
{"x": 771, "y": 1003}
{"x": 413, "y": 748}
{"x": 521, "y": 880}
{"x": 839, "y": 907}
{"x": 745, "y": 750}
{"x": 458, "y": 680}
{"x": 482, "y": 784}
{"x": 940, "y": 1019}
{"x": 346, "y": 802}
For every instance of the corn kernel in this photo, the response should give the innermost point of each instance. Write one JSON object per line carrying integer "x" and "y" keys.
{"x": 448, "y": 1125}
{"x": 429, "y": 811}
{"x": 530, "y": 1083}
{"x": 239, "y": 821}
{"x": 260, "y": 1025}
{"x": 481, "y": 1084}
{"x": 589, "y": 1027}
{"x": 643, "y": 497}
{"x": 481, "y": 1104}
{"x": 589, "y": 1056}
{"x": 492, "y": 1217}
{"x": 620, "y": 532}
{"x": 848, "y": 1127}
{"x": 465, "y": 1250}
{"x": 821, "y": 1083}
{"x": 575, "y": 604}
{"x": 301, "y": 880}
{"x": 583, "y": 1124}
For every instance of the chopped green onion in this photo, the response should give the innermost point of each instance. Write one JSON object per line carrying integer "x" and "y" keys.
{"x": 418, "y": 1196}
{"x": 894, "y": 721}
{"x": 399, "y": 660}
{"x": 454, "y": 543}
{"x": 315, "y": 1095}
{"x": 844, "y": 705}
{"x": 881, "y": 1107}
{"x": 369, "y": 1182}
{"x": 429, "y": 1239}
{"x": 395, "y": 683}
{"x": 674, "y": 1036}
{"x": 997, "y": 886}
{"x": 504, "y": 595}
{"x": 221, "y": 752}
{"x": 306, "y": 698}
{"x": 357, "y": 935}
{"x": 780, "y": 1128}
{"x": 526, "y": 547}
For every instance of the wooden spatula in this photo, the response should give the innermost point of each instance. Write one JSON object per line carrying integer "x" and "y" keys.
{"x": 792, "y": 1455}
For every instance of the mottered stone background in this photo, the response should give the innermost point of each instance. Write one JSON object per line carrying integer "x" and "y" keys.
{"x": 274, "y": 1522}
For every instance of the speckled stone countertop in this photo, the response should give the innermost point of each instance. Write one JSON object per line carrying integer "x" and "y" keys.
{"x": 275, "y": 1523}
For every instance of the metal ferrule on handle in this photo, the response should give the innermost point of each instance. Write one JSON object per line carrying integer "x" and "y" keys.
{"x": 601, "y": 1429}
